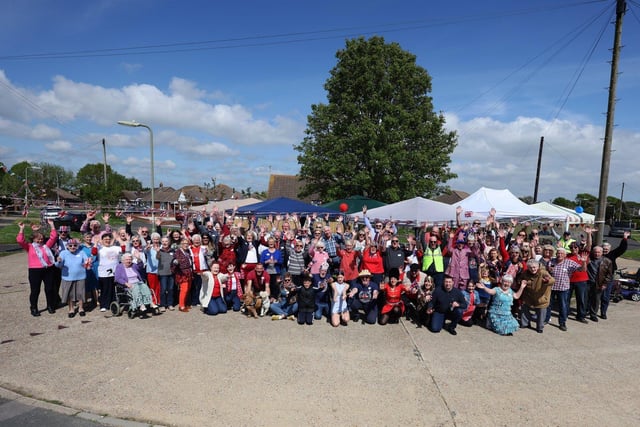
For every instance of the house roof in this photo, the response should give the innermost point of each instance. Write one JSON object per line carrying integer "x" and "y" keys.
{"x": 454, "y": 196}
{"x": 287, "y": 186}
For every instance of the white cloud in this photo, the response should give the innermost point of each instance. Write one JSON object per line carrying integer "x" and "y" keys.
{"x": 59, "y": 146}
{"x": 498, "y": 154}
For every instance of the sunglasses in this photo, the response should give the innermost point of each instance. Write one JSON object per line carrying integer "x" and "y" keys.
{"x": 71, "y": 245}
{"x": 287, "y": 280}
{"x": 394, "y": 241}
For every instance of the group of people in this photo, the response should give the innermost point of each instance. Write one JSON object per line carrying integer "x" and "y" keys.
{"x": 502, "y": 276}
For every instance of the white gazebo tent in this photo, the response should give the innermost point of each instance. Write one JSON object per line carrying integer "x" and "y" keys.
{"x": 478, "y": 206}
{"x": 414, "y": 211}
{"x": 572, "y": 217}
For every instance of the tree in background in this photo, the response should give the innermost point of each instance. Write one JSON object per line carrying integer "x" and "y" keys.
{"x": 378, "y": 134}
{"x": 90, "y": 183}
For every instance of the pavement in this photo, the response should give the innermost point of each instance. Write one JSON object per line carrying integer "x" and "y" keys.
{"x": 190, "y": 369}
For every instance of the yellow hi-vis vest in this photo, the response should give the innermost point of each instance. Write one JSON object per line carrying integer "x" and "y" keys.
{"x": 434, "y": 256}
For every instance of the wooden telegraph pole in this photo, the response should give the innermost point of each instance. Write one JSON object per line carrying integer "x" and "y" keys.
{"x": 621, "y": 7}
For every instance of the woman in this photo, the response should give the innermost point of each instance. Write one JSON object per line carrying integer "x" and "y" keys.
{"x": 91, "y": 281}
{"x": 40, "y": 260}
{"x": 271, "y": 258}
{"x": 73, "y": 263}
{"x": 151, "y": 255}
{"x": 501, "y": 320}
{"x": 212, "y": 294}
{"x": 108, "y": 258}
{"x": 128, "y": 275}
{"x": 247, "y": 255}
{"x": 393, "y": 306}
{"x": 318, "y": 257}
{"x": 164, "y": 257}
{"x": 182, "y": 267}
{"x": 372, "y": 261}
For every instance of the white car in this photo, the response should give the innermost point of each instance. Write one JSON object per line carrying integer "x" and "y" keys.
{"x": 50, "y": 212}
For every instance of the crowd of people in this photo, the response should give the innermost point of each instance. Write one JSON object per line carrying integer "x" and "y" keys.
{"x": 502, "y": 276}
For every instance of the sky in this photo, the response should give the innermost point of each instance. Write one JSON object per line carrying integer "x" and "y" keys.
{"x": 227, "y": 87}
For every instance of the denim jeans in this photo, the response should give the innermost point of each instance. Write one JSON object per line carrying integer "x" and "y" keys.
{"x": 605, "y": 298}
{"x": 561, "y": 301}
{"x": 370, "y": 310}
{"x": 321, "y": 308}
{"x": 580, "y": 289}
{"x": 437, "y": 319}
{"x": 231, "y": 298}
{"x": 216, "y": 306}
{"x": 282, "y": 308}
{"x": 166, "y": 291}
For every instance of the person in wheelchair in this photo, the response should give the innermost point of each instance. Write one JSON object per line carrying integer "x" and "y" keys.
{"x": 128, "y": 276}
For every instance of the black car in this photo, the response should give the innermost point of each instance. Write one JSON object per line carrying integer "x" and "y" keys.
{"x": 70, "y": 218}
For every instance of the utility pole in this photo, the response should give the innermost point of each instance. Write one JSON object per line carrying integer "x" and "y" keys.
{"x": 535, "y": 190}
{"x": 621, "y": 7}
{"x": 104, "y": 156}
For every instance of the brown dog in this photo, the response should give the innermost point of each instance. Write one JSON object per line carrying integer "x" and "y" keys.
{"x": 252, "y": 304}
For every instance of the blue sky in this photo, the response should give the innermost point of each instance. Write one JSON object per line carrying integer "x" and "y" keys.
{"x": 229, "y": 95}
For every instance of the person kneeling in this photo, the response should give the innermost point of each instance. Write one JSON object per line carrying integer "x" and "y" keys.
{"x": 446, "y": 303}
{"x": 212, "y": 291}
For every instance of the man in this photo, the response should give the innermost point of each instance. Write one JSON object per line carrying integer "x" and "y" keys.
{"x": 613, "y": 256}
{"x": 364, "y": 296}
{"x": 332, "y": 243}
{"x": 536, "y": 295}
{"x": 393, "y": 256}
{"x": 566, "y": 240}
{"x": 600, "y": 271}
{"x": 433, "y": 261}
{"x": 459, "y": 265}
{"x": 257, "y": 284}
{"x": 446, "y": 303}
{"x": 561, "y": 269}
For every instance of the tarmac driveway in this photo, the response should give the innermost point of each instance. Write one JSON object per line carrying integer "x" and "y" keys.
{"x": 192, "y": 369}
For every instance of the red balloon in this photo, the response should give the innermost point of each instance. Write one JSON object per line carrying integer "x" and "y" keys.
{"x": 344, "y": 207}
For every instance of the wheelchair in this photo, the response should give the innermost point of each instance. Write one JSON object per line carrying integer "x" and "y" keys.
{"x": 123, "y": 302}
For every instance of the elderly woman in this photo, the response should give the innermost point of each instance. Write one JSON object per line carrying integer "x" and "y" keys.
{"x": 74, "y": 263}
{"x": 93, "y": 226}
{"x": 501, "y": 321}
{"x": 40, "y": 260}
{"x": 128, "y": 275}
{"x": 537, "y": 294}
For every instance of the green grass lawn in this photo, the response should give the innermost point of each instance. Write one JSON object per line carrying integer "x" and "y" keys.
{"x": 8, "y": 232}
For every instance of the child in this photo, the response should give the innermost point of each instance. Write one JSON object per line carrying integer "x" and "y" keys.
{"x": 473, "y": 297}
{"x": 339, "y": 308}
{"x": 306, "y": 301}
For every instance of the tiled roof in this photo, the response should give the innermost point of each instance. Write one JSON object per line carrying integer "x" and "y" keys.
{"x": 287, "y": 186}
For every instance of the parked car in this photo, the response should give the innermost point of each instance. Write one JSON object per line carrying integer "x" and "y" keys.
{"x": 618, "y": 228}
{"x": 50, "y": 212}
{"x": 73, "y": 219}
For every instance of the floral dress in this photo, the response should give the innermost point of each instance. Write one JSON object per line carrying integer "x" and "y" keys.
{"x": 500, "y": 319}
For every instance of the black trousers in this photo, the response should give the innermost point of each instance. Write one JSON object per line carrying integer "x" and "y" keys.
{"x": 36, "y": 277}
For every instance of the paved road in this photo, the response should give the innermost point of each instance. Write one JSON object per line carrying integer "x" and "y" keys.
{"x": 192, "y": 369}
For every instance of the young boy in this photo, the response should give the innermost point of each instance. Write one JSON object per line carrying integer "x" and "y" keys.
{"x": 306, "y": 301}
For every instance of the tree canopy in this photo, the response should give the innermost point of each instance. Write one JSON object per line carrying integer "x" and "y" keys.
{"x": 90, "y": 182}
{"x": 378, "y": 134}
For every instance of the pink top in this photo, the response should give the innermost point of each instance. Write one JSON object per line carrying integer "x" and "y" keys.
{"x": 32, "y": 257}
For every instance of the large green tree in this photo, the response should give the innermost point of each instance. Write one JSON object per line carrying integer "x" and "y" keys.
{"x": 378, "y": 134}
{"x": 90, "y": 182}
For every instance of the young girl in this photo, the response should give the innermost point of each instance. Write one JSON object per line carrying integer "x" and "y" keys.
{"x": 393, "y": 307}
{"x": 339, "y": 309}
{"x": 500, "y": 319}
{"x": 473, "y": 297}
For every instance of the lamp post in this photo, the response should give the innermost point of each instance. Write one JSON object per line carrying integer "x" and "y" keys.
{"x": 136, "y": 125}
{"x": 26, "y": 183}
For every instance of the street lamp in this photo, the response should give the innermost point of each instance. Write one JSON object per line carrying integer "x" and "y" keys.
{"x": 26, "y": 183}
{"x": 136, "y": 125}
